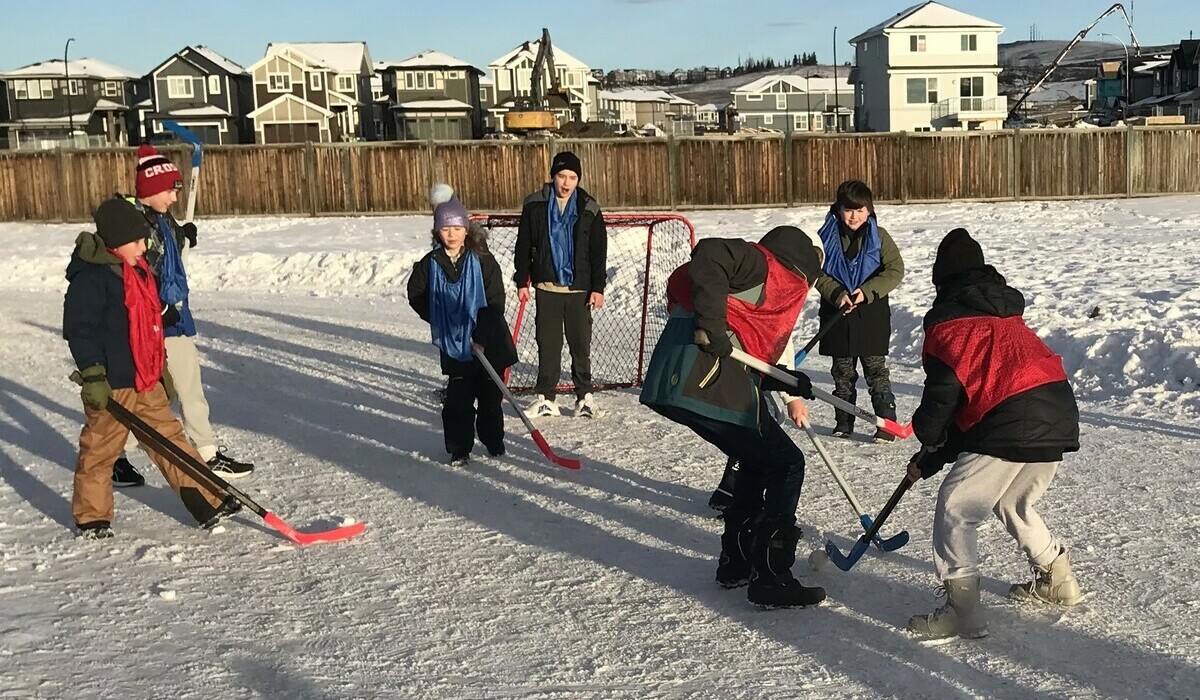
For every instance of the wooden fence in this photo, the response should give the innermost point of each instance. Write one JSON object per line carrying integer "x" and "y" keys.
{"x": 629, "y": 174}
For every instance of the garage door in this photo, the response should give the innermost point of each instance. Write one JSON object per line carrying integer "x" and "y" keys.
{"x": 291, "y": 133}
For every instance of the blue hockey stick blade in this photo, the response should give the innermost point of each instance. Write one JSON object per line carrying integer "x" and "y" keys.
{"x": 890, "y": 544}
{"x": 799, "y": 358}
{"x": 846, "y": 562}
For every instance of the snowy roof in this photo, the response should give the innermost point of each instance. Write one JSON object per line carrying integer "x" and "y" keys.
{"x": 337, "y": 56}
{"x": 529, "y": 50}
{"x": 1149, "y": 66}
{"x": 433, "y": 104}
{"x": 486, "y": 81}
{"x": 636, "y": 95}
{"x": 799, "y": 83}
{"x": 927, "y": 14}
{"x": 204, "y": 111}
{"x": 710, "y": 107}
{"x": 78, "y": 119}
{"x": 433, "y": 59}
{"x": 108, "y": 104}
{"x": 145, "y": 103}
{"x": 79, "y": 68}
{"x": 222, "y": 62}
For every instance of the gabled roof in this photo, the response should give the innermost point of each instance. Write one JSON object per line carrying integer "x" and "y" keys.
{"x": 79, "y": 68}
{"x": 798, "y": 83}
{"x": 529, "y": 49}
{"x": 433, "y": 104}
{"x": 289, "y": 97}
{"x": 218, "y": 60}
{"x": 635, "y": 95}
{"x": 432, "y": 59}
{"x": 927, "y": 14}
{"x": 337, "y": 56}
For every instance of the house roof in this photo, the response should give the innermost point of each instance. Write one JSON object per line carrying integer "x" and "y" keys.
{"x": 203, "y": 111}
{"x": 636, "y": 95}
{"x": 79, "y": 68}
{"x": 108, "y": 105}
{"x": 926, "y": 14}
{"x": 433, "y": 104}
{"x": 1151, "y": 66}
{"x": 79, "y": 120}
{"x": 337, "y": 56}
{"x": 220, "y": 61}
{"x": 432, "y": 59}
{"x": 485, "y": 81}
{"x": 799, "y": 83}
{"x": 290, "y": 98}
{"x": 529, "y": 50}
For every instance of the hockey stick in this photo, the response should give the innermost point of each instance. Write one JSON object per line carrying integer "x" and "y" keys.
{"x": 846, "y": 561}
{"x": 197, "y": 156}
{"x": 536, "y": 434}
{"x": 516, "y": 334}
{"x": 200, "y": 471}
{"x": 821, "y": 333}
{"x": 885, "y": 424}
{"x": 892, "y": 543}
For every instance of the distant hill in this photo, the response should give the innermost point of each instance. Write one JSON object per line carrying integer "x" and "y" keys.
{"x": 1032, "y": 54}
{"x": 717, "y": 91}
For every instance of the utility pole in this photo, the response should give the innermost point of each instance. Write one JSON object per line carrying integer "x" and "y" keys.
{"x": 67, "y": 76}
{"x": 837, "y": 103}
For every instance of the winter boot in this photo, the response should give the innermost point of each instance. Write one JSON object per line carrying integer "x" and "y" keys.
{"x": 1054, "y": 584}
{"x": 125, "y": 475}
{"x": 459, "y": 460}
{"x": 585, "y": 407}
{"x": 722, "y": 496}
{"x": 960, "y": 616}
{"x": 885, "y": 407}
{"x": 773, "y": 553}
{"x": 228, "y": 507}
{"x": 544, "y": 407}
{"x": 99, "y": 530}
{"x": 843, "y": 425}
{"x": 733, "y": 568}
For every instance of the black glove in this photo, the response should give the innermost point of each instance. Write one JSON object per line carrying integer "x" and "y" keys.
{"x": 929, "y": 462}
{"x": 189, "y": 232}
{"x": 803, "y": 387}
{"x": 170, "y": 316}
{"x": 716, "y": 344}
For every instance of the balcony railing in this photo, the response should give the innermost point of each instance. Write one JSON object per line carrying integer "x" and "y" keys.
{"x": 970, "y": 105}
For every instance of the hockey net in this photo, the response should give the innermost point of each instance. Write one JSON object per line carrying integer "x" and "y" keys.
{"x": 643, "y": 250}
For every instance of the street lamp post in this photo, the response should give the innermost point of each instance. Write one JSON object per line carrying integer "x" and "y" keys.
{"x": 1128, "y": 74}
{"x": 67, "y": 76}
{"x": 808, "y": 101}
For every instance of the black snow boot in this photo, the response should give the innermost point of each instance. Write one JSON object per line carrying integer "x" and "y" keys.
{"x": 772, "y": 555}
{"x": 733, "y": 567}
{"x": 722, "y": 496}
{"x": 885, "y": 407}
{"x": 124, "y": 474}
{"x": 843, "y": 425}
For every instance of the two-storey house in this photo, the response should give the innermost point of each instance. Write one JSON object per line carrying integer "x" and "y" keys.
{"x": 433, "y": 95}
{"x": 930, "y": 67}
{"x": 317, "y": 92}
{"x": 511, "y": 75}
{"x": 204, "y": 91}
{"x": 638, "y": 108}
{"x": 795, "y": 103}
{"x": 82, "y": 103}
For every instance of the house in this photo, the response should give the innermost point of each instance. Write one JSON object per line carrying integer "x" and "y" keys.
{"x": 791, "y": 103}
{"x": 433, "y": 95}
{"x": 1183, "y": 71}
{"x": 511, "y": 73}
{"x": 3, "y": 115}
{"x": 84, "y": 103}
{"x": 708, "y": 117}
{"x": 205, "y": 92}
{"x": 1110, "y": 84}
{"x": 637, "y": 108}
{"x": 928, "y": 67}
{"x": 313, "y": 92}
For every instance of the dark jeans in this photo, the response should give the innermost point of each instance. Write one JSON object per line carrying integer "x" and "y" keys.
{"x": 462, "y": 421}
{"x": 771, "y": 470}
{"x": 845, "y": 377}
{"x": 558, "y": 313}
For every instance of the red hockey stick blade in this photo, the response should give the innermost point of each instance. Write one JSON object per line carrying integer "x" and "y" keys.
{"x": 887, "y": 425}
{"x": 545, "y": 448}
{"x": 337, "y": 534}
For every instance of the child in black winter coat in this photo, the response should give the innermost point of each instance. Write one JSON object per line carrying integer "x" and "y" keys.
{"x": 458, "y": 289}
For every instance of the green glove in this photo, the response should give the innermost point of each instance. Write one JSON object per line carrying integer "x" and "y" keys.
{"x": 96, "y": 392}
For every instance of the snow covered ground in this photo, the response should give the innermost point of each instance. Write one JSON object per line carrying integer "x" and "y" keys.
{"x": 512, "y": 578}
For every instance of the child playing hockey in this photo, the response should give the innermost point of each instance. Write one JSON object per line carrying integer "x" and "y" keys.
{"x": 750, "y": 294}
{"x": 458, "y": 289}
{"x": 112, "y": 321}
{"x": 997, "y": 403}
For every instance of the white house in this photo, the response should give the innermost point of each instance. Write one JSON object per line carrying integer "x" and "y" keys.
{"x": 930, "y": 67}
{"x": 511, "y": 78}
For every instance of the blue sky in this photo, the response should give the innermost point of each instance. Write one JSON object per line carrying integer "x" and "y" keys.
{"x": 603, "y": 33}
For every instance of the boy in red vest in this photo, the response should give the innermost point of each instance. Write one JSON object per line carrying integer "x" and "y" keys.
{"x": 997, "y": 403}
{"x": 747, "y": 294}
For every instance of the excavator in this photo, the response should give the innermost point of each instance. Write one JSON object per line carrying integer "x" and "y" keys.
{"x": 532, "y": 113}
{"x": 1014, "y": 113}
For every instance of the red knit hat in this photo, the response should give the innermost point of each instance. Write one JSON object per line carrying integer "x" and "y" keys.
{"x": 155, "y": 173}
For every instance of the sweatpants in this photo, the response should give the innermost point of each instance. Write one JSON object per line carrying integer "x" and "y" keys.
{"x": 845, "y": 377}
{"x": 771, "y": 471}
{"x": 977, "y": 486}
{"x": 183, "y": 364}
{"x": 473, "y": 408}
{"x": 100, "y": 443}
{"x": 558, "y": 313}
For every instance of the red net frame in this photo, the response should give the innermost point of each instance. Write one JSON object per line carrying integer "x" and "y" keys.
{"x": 643, "y": 250}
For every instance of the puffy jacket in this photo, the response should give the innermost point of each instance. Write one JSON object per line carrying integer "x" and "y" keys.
{"x": 533, "y": 259}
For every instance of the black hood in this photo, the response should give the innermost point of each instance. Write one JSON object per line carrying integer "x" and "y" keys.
{"x": 978, "y": 292}
{"x": 795, "y": 249}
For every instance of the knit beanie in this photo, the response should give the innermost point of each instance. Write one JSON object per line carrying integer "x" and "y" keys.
{"x": 155, "y": 173}
{"x": 957, "y": 253}
{"x": 447, "y": 210}
{"x": 119, "y": 221}
{"x": 566, "y": 161}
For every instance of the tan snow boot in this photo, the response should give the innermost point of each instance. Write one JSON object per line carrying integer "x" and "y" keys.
{"x": 962, "y": 614}
{"x": 1054, "y": 584}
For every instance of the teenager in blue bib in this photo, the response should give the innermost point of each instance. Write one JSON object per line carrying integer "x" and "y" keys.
{"x": 862, "y": 266}
{"x": 458, "y": 289}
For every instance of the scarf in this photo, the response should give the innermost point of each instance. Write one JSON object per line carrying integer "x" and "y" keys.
{"x": 454, "y": 306}
{"x": 172, "y": 280}
{"x": 145, "y": 325}
{"x": 850, "y": 273}
{"x": 562, "y": 238}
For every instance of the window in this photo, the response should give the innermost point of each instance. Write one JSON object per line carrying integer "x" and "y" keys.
{"x": 916, "y": 43}
{"x": 279, "y": 82}
{"x": 47, "y": 89}
{"x": 75, "y": 87}
{"x": 768, "y": 119}
{"x": 483, "y": 95}
{"x": 345, "y": 83}
{"x": 111, "y": 88}
{"x": 179, "y": 87}
{"x": 971, "y": 92}
{"x": 800, "y": 121}
{"x": 420, "y": 81}
{"x": 214, "y": 85}
{"x": 314, "y": 81}
{"x": 970, "y": 42}
{"x": 754, "y": 98}
{"x": 817, "y": 122}
{"x": 922, "y": 91}
{"x": 781, "y": 102}
{"x": 20, "y": 89}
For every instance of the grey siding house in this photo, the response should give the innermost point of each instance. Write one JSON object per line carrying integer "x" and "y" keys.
{"x": 82, "y": 103}
{"x": 203, "y": 91}
{"x": 790, "y": 103}
{"x": 317, "y": 92}
{"x": 433, "y": 95}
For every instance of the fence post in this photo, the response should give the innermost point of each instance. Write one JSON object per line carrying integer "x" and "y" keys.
{"x": 350, "y": 187}
{"x": 310, "y": 171}
{"x": 903, "y": 161}
{"x": 1018, "y": 165}
{"x": 787, "y": 167}
{"x": 1129, "y": 160}
{"x": 431, "y": 156}
{"x": 672, "y": 170}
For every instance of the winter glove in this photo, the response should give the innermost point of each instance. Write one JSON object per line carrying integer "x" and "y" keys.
{"x": 96, "y": 391}
{"x": 189, "y": 232}
{"x": 717, "y": 344}
{"x": 803, "y": 387}
{"x": 928, "y": 461}
{"x": 170, "y": 316}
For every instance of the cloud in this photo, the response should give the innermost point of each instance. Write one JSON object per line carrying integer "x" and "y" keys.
{"x": 778, "y": 25}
